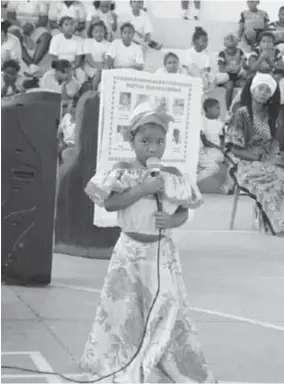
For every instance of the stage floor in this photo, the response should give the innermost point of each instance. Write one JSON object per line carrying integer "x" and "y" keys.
{"x": 235, "y": 285}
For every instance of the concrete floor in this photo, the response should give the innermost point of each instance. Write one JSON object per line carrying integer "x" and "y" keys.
{"x": 235, "y": 284}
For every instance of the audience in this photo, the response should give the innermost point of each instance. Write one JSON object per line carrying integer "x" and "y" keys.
{"x": 95, "y": 49}
{"x": 10, "y": 44}
{"x": 252, "y": 22}
{"x": 60, "y": 79}
{"x": 73, "y": 9}
{"x": 232, "y": 61}
{"x": 11, "y": 79}
{"x": 278, "y": 29}
{"x": 104, "y": 11}
{"x": 198, "y": 61}
{"x": 210, "y": 157}
{"x": 265, "y": 58}
{"x": 67, "y": 46}
{"x": 123, "y": 53}
{"x": 29, "y": 21}
{"x": 171, "y": 64}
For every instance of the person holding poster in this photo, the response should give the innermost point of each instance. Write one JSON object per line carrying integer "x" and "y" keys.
{"x": 142, "y": 329}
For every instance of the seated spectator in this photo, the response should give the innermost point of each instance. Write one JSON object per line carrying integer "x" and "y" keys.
{"x": 10, "y": 44}
{"x": 278, "y": 29}
{"x": 210, "y": 158}
{"x": 11, "y": 80}
{"x": 29, "y": 23}
{"x": 171, "y": 64}
{"x": 265, "y": 58}
{"x": 198, "y": 61}
{"x": 252, "y": 22}
{"x": 142, "y": 25}
{"x": 68, "y": 46}
{"x": 95, "y": 49}
{"x": 73, "y": 9}
{"x": 252, "y": 142}
{"x": 104, "y": 11}
{"x": 123, "y": 53}
{"x": 232, "y": 61}
{"x": 60, "y": 79}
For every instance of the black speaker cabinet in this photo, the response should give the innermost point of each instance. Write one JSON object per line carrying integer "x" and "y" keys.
{"x": 29, "y": 166}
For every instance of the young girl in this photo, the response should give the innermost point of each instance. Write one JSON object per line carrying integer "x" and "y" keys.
{"x": 198, "y": 61}
{"x": 123, "y": 53}
{"x": 265, "y": 58}
{"x": 166, "y": 344}
{"x": 95, "y": 49}
{"x": 67, "y": 46}
{"x": 171, "y": 64}
{"x": 232, "y": 61}
{"x": 104, "y": 11}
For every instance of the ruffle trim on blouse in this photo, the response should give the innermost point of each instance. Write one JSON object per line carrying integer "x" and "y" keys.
{"x": 179, "y": 190}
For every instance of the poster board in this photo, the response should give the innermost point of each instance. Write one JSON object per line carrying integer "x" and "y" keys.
{"x": 121, "y": 91}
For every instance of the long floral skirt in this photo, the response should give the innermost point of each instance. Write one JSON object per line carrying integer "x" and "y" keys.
{"x": 170, "y": 351}
{"x": 265, "y": 183}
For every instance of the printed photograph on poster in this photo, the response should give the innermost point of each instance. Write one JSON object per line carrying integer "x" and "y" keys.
{"x": 178, "y": 107}
{"x": 122, "y": 133}
{"x": 125, "y": 101}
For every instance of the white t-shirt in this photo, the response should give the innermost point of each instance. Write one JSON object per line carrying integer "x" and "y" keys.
{"x": 11, "y": 49}
{"x": 59, "y": 9}
{"x": 212, "y": 129}
{"x": 200, "y": 59}
{"x": 123, "y": 56}
{"x": 97, "y": 49}
{"x": 28, "y": 11}
{"x": 66, "y": 49}
{"x": 141, "y": 23}
{"x": 105, "y": 17}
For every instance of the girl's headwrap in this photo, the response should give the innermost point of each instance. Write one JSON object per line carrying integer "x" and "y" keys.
{"x": 264, "y": 78}
{"x": 146, "y": 113}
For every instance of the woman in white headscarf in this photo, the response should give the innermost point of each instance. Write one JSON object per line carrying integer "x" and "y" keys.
{"x": 254, "y": 145}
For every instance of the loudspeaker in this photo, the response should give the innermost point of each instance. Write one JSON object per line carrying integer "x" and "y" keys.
{"x": 29, "y": 168}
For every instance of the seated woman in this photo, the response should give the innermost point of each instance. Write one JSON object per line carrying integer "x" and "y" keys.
{"x": 29, "y": 23}
{"x": 252, "y": 145}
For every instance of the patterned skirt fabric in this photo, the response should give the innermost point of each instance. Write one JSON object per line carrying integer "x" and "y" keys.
{"x": 170, "y": 351}
{"x": 266, "y": 182}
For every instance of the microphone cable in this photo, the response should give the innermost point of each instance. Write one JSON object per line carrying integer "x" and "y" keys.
{"x": 159, "y": 207}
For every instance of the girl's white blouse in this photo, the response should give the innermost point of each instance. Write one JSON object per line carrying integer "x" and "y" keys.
{"x": 179, "y": 191}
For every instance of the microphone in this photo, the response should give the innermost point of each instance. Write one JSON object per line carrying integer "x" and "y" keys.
{"x": 154, "y": 165}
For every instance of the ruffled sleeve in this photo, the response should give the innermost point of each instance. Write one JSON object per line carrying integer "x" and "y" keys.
{"x": 182, "y": 190}
{"x": 104, "y": 183}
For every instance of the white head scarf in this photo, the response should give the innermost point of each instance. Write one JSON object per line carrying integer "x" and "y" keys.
{"x": 264, "y": 78}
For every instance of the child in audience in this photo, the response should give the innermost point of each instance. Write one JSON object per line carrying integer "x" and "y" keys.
{"x": 198, "y": 61}
{"x": 67, "y": 46}
{"x": 73, "y": 9}
{"x": 265, "y": 58}
{"x": 95, "y": 49}
{"x": 210, "y": 157}
{"x": 171, "y": 64}
{"x": 11, "y": 80}
{"x": 104, "y": 10}
{"x": 67, "y": 124}
{"x": 231, "y": 61}
{"x": 252, "y": 22}
{"x": 60, "y": 79}
{"x": 123, "y": 53}
{"x": 278, "y": 30}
